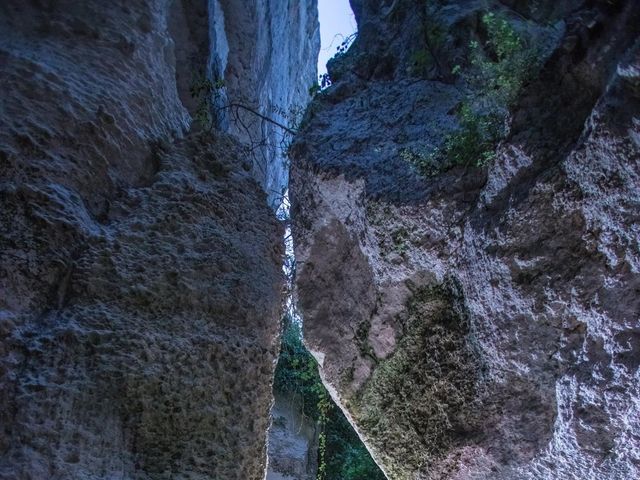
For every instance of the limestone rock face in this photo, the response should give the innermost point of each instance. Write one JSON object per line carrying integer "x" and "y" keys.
{"x": 262, "y": 57}
{"x": 140, "y": 266}
{"x": 482, "y": 323}
{"x": 293, "y": 442}
{"x": 268, "y": 64}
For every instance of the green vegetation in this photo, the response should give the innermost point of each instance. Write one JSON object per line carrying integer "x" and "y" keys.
{"x": 341, "y": 454}
{"x": 505, "y": 63}
{"x": 400, "y": 237}
{"x": 473, "y": 144}
{"x": 420, "y": 399}
{"x": 498, "y": 68}
{"x": 204, "y": 90}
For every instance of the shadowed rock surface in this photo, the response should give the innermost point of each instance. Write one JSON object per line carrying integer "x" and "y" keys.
{"x": 293, "y": 441}
{"x": 270, "y": 65}
{"x": 140, "y": 265}
{"x": 481, "y": 323}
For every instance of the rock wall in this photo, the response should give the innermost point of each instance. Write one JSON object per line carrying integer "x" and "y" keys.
{"x": 482, "y": 323}
{"x": 140, "y": 265}
{"x": 263, "y": 54}
{"x": 268, "y": 65}
{"x": 293, "y": 441}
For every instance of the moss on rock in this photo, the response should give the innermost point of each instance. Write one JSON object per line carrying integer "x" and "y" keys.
{"x": 417, "y": 402}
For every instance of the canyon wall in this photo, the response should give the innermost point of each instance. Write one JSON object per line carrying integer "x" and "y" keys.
{"x": 140, "y": 264}
{"x": 293, "y": 441}
{"x": 481, "y": 322}
{"x": 268, "y": 65}
{"x": 260, "y": 59}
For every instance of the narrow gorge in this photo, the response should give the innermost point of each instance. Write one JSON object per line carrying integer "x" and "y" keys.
{"x": 460, "y": 298}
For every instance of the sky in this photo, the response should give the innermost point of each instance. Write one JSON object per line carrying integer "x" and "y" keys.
{"x": 336, "y": 23}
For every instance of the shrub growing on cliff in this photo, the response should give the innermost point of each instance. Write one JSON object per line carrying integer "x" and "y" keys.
{"x": 503, "y": 64}
{"x": 473, "y": 144}
{"x": 499, "y": 67}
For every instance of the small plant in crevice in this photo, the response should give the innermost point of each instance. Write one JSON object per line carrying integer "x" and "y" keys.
{"x": 205, "y": 90}
{"x": 400, "y": 236}
{"x": 396, "y": 240}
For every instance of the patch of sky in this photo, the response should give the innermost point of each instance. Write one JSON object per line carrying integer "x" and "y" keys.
{"x": 337, "y": 22}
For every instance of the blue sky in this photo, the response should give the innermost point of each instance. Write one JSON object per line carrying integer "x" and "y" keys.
{"x": 336, "y": 22}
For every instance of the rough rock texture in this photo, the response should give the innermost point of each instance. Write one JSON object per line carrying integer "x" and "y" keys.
{"x": 293, "y": 442}
{"x": 268, "y": 63}
{"x": 140, "y": 269}
{"x": 265, "y": 54}
{"x": 483, "y": 323}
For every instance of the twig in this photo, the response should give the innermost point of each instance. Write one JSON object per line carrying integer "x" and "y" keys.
{"x": 258, "y": 114}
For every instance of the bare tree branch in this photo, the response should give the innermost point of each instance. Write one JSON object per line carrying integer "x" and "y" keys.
{"x": 258, "y": 114}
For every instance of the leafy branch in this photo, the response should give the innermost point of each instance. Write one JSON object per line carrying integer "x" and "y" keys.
{"x": 499, "y": 68}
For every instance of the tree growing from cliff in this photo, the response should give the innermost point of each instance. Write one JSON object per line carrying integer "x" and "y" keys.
{"x": 206, "y": 91}
{"x": 213, "y": 108}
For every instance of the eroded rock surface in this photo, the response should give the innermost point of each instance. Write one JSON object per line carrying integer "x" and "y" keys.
{"x": 293, "y": 441}
{"x": 140, "y": 272}
{"x": 482, "y": 323}
{"x": 268, "y": 64}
